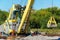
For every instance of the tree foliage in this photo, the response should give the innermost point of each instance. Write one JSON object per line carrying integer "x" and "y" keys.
{"x": 40, "y": 17}
{"x": 3, "y": 16}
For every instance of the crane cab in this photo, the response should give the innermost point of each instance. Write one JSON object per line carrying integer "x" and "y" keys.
{"x": 14, "y": 18}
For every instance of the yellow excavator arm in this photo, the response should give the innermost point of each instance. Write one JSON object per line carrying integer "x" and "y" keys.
{"x": 24, "y": 17}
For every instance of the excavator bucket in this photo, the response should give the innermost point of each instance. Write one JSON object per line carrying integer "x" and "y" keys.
{"x": 52, "y": 22}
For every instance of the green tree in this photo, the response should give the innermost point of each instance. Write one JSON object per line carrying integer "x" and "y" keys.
{"x": 3, "y": 16}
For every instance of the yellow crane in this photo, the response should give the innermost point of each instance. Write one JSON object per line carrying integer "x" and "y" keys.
{"x": 15, "y": 17}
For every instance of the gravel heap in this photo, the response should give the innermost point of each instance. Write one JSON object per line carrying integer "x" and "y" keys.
{"x": 38, "y": 37}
